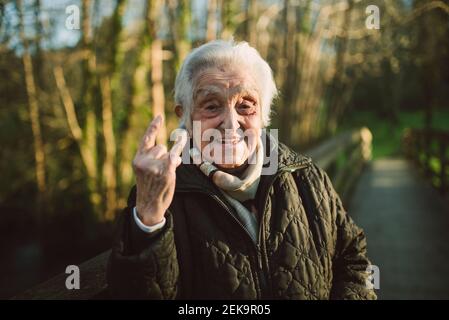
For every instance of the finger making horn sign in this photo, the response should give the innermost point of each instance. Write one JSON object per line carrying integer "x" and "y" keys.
{"x": 155, "y": 168}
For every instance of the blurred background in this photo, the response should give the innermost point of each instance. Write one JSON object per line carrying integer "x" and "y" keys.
{"x": 75, "y": 100}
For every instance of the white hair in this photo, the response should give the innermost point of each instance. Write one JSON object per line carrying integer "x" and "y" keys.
{"x": 219, "y": 53}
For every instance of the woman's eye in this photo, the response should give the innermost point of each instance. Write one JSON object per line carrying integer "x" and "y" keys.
{"x": 246, "y": 108}
{"x": 211, "y": 107}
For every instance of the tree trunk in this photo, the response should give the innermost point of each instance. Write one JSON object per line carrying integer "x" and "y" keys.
{"x": 109, "y": 172}
{"x": 290, "y": 60}
{"x": 251, "y": 19}
{"x": 72, "y": 120}
{"x": 139, "y": 102}
{"x": 179, "y": 13}
{"x": 109, "y": 166}
{"x": 157, "y": 88}
{"x": 33, "y": 110}
{"x": 339, "y": 82}
{"x": 211, "y": 33}
{"x": 90, "y": 129}
{"x": 157, "y": 84}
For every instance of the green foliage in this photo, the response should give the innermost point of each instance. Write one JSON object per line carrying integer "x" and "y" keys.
{"x": 387, "y": 135}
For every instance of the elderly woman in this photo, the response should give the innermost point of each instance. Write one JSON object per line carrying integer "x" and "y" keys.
{"x": 216, "y": 227}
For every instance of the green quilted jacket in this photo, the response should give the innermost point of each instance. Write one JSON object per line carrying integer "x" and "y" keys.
{"x": 308, "y": 247}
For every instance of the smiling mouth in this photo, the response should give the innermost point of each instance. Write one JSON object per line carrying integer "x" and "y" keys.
{"x": 231, "y": 141}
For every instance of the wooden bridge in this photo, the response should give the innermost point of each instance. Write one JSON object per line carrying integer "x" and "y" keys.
{"x": 406, "y": 220}
{"x": 406, "y": 223}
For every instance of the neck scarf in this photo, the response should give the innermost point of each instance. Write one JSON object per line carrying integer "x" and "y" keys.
{"x": 237, "y": 189}
{"x": 240, "y": 188}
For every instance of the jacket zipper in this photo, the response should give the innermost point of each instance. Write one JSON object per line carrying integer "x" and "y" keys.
{"x": 228, "y": 210}
{"x": 261, "y": 281}
{"x": 261, "y": 254}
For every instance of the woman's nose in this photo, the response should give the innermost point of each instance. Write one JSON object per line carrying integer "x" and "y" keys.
{"x": 230, "y": 120}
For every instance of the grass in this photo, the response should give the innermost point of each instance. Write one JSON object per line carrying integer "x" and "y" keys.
{"x": 387, "y": 137}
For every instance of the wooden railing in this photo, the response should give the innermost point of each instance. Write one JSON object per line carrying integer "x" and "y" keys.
{"x": 92, "y": 283}
{"x": 429, "y": 149}
{"x": 342, "y": 157}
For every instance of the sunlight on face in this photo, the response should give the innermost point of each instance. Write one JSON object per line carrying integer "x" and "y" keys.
{"x": 226, "y": 101}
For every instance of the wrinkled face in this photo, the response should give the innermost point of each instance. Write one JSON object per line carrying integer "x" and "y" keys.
{"x": 226, "y": 104}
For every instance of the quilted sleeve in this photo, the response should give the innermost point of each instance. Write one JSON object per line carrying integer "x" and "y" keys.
{"x": 350, "y": 262}
{"x": 143, "y": 265}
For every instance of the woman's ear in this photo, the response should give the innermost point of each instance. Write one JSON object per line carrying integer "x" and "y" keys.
{"x": 179, "y": 111}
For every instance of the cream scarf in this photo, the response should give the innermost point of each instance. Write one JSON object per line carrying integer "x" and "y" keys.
{"x": 240, "y": 188}
{"x": 237, "y": 189}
